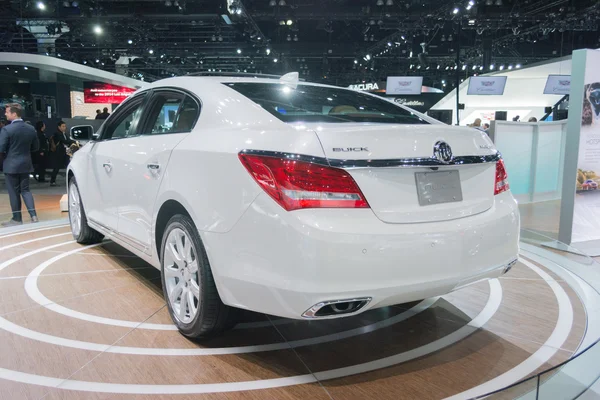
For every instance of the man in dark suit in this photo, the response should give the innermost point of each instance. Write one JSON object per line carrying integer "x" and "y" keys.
{"x": 17, "y": 141}
{"x": 58, "y": 150}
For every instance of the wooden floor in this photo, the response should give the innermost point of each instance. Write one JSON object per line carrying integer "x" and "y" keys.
{"x": 91, "y": 323}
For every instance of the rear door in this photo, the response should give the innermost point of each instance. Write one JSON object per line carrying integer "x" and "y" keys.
{"x": 169, "y": 117}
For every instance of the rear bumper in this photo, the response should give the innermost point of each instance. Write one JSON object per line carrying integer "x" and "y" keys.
{"x": 283, "y": 263}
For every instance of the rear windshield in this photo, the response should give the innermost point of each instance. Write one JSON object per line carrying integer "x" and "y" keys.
{"x": 323, "y": 104}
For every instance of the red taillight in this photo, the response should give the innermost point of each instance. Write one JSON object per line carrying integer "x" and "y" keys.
{"x": 501, "y": 184}
{"x": 298, "y": 184}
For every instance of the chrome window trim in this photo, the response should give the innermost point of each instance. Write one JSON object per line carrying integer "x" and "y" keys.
{"x": 386, "y": 163}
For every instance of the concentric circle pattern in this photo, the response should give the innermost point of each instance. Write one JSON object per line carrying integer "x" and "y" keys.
{"x": 90, "y": 322}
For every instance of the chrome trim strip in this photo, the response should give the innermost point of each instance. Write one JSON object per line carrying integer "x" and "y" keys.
{"x": 310, "y": 313}
{"x": 397, "y": 162}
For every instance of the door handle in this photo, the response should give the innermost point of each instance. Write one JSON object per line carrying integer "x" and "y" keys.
{"x": 107, "y": 166}
{"x": 154, "y": 167}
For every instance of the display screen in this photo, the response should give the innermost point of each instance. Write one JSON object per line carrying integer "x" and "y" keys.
{"x": 98, "y": 92}
{"x": 558, "y": 84}
{"x": 404, "y": 85}
{"x": 487, "y": 85}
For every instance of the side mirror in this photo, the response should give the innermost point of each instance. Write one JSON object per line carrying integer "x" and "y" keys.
{"x": 95, "y": 136}
{"x": 82, "y": 132}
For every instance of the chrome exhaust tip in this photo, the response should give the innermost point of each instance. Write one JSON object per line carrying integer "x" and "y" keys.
{"x": 510, "y": 265}
{"x": 336, "y": 308}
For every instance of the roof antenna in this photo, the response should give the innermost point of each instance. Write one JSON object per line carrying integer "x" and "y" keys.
{"x": 290, "y": 79}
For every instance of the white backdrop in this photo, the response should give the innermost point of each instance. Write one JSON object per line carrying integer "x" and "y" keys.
{"x": 523, "y": 94}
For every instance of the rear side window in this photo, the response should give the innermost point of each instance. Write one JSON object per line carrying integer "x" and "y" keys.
{"x": 323, "y": 104}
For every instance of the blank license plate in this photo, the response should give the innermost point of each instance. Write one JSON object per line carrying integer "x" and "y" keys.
{"x": 438, "y": 187}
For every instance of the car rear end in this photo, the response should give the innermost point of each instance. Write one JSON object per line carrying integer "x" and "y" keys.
{"x": 395, "y": 209}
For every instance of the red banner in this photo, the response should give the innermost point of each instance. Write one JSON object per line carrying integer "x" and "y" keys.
{"x": 98, "y": 92}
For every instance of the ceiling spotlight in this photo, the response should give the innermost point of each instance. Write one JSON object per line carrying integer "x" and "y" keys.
{"x": 275, "y": 60}
{"x": 272, "y": 3}
{"x": 213, "y": 38}
{"x": 449, "y": 38}
{"x": 419, "y": 66}
{"x": 25, "y": 68}
{"x": 469, "y": 7}
{"x": 471, "y": 3}
{"x": 355, "y": 61}
{"x": 389, "y": 3}
{"x": 379, "y": 3}
{"x": 176, "y": 3}
{"x": 220, "y": 38}
{"x": 438, "y": 67}
{"x": 97, "y": 60}
{"x": 501, "y": 67}
{"x": 474, "y": 67}
{"x": 366, "y": 38}
{"x": 168, "y": 3}
{"x": 498, "y": 2}
{"x": 289, "y": 37}
{"x": 282, "y": 3}
{"x": 489, "y": 2}
{"x": 510, "y": 67}
{"x": 518, "y": 66}
{"x": 268, "y": 51}
{"x": 295, "y": 38}
{"x": 481, "y": 68}
{"x": 443, "y": 39}
{"x": 239, "y": 51}
{"x": 97, "y": 29}
{"x": 130, "y": 41}
{"x": 389, "y": 44}
{"x": 66, "y": 4}
{"x": 41, "y": 5}
{"x": 289, "y": 22}
{"x": 368, "y": 57}
{"x": 492, "y": 66}
{"x": 464, "y": 67}
{"x": 151, "y": 51}
{"x": 455, "y": 11}
{"x": 84, "y": 62}
{"x": 75, "y": 4}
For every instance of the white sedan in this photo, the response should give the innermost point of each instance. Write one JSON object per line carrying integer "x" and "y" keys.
{"x": 294, "y": 199}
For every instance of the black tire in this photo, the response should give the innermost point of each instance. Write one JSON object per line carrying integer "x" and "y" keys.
{"x": 212, "y": 316}
{"x": 86, "y": 235}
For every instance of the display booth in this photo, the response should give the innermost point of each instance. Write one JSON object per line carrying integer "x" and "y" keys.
{"x": 534, "y": 157}
{"x": 523, "y": 95}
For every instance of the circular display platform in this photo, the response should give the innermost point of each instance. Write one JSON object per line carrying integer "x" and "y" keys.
{"x": 81, "y": 322}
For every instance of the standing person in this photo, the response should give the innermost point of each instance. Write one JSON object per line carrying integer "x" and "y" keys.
{"x": 105, "y": 114}
{"x": 42, "y": 154}
{"x": 17, "y": 141}
{"x": 58, "y": 150}
{"x": 98, "y": 114}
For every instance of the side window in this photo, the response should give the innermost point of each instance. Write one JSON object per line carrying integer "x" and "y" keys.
{"x": 124, "y": 123}
{"x": 163, "y": 113}
{"x": 187, "y": 115}
{"x": 171, "y": 112}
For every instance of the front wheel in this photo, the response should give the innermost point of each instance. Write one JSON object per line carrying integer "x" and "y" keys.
{"x": 188, "y": 284}
{"x": 80, "y": 229}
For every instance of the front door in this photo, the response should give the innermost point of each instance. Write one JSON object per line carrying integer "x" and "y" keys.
{"x": 104, "y": 183}
{"x": 169, "y": 117}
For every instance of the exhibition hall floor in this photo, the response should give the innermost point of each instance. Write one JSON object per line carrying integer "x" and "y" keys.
{"x": 81, "y": 322}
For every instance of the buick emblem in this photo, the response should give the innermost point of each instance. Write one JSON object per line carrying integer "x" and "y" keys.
{"x": 442, "y": 152}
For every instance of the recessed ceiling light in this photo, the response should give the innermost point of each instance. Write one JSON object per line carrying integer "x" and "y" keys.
{"x": 41, "y": 5}
{"x": 97, "y": 29}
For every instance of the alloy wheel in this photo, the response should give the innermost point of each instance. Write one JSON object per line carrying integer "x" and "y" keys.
{"x": 181, "y": 278}
{"x": 75, "y": 210}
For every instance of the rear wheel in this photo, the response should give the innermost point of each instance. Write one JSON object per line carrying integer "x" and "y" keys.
{"x": 188, "y": 284}
{"x": 79, "y": 225}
